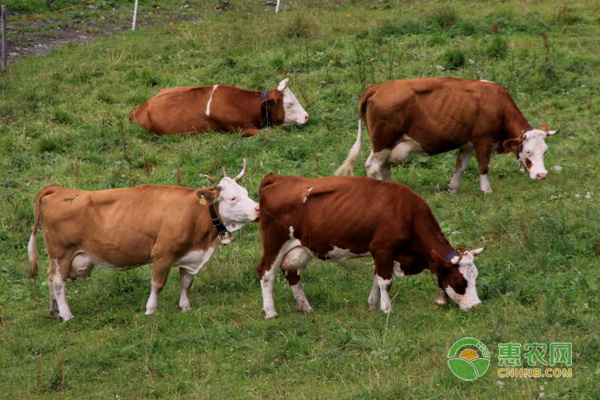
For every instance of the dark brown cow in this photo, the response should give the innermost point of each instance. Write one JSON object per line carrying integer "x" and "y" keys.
{"x": 433, "y": 115}
{"x": 338, "y": 218}
{"x": 122, "y": 229}
{"x": 193, "y": 110}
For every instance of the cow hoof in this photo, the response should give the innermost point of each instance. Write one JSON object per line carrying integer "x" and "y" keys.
{"x": 150, "y": 311}
{"x": 67, "y": 317}
{"x": 306, "y": 310}
{"x": 270, "y": 315}
{"x": 185, "y": 308}
{"x": 451, "y": 191}
{"x": 373, "y": 303}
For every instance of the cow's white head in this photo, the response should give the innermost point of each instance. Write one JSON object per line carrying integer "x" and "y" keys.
{"x": 293, "y": 111}
{"x": 234, "y": 206}
{"x": 458, "y": 276}
{"x": 530, "y": 148}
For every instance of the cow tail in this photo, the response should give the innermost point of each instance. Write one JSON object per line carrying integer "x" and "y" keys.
{"x": 32, "y": 246}
{"x": 347, "y": 168}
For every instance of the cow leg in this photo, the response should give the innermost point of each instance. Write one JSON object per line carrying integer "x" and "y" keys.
{"x": 483, "y": 161}
{"x": 296, "y": 285}
{"x": 292, "y": 264}
{"x": 160, "y": 273}
{"x": 267, "y": 281}
{"x": 462, "y": 161}
{"x": 57, "y": 282}
{"x": 374, "y": 295}
{"x": 185, "y": 279}
{"x": 384, "y": 266}
{"x": 377, "y": 165}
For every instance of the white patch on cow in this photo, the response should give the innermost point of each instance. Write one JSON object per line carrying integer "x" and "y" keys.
{"x": 194, "y": 260}
{"x": 384, "y": 292}
{"x": 374, "y": 295}
{"x": 338, "y": 254}
{"x": 293, "y": 111}
{"x": 484, "y": 184}
{"x": 532, "y": 153}
{"x": 210, "y": 100}
{"x": 236, "y": 208}
{"x": 307, "y": 194}
{"x": 483, "y": 80}
{"x": 469, "y": 271}
{"x": 375, "y": 288}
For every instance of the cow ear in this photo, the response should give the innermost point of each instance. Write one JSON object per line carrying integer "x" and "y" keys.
{"x": 208, "y": 196}
{"x": 283, "y": 85}
{"x": 512, "y": 145}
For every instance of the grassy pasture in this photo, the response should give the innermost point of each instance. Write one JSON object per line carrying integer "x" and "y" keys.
{"x": 63, "y": 119}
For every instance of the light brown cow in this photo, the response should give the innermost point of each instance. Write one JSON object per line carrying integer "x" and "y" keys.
{"x": 194, "y": 110}
{"x": 433, "y": 115}
{"x": 339, "y": 218}
{"x": 121, "y": 229}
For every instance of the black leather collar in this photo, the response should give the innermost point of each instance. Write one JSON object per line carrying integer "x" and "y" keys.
{"x": 216, "y": 221}
{"x": 264, "y": 111}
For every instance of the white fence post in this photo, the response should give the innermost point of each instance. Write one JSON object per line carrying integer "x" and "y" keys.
{"x": 135, "y": 8}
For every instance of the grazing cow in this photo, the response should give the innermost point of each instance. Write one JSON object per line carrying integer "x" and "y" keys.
{"x": 338, "y": 218}
{"x": 433, "y": 115}
{"x": 121, "y": 229}
{"x": 193, "y": 110}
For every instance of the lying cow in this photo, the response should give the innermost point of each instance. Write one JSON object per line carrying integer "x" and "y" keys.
{"x": 193, "y": 110}
{"x": 122, "y": 229}
{"x": 433, "y": 115}
{"x": 338, "y": 218}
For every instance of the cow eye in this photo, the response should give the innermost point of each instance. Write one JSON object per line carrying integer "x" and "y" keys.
{"x": 233, "y": 198}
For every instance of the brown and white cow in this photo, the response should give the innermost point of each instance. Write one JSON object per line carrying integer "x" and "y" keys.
{"x": 192, "y": 110}
{"x": 339, "y": 218}
{"x": 433, "y": 115}
{"x": 121, "y": 229}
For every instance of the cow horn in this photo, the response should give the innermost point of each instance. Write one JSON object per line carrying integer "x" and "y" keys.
{"x": 481, "y": 249}
{"x": 241, "y": 174}
{"x": 210, "y": 179}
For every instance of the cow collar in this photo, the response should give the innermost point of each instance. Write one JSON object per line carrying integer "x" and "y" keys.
{"x": 264, "y": 111}
{"x": 225, "y": 235}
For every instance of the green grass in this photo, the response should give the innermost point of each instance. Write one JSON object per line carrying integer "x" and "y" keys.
{"x": 63, "y": 119}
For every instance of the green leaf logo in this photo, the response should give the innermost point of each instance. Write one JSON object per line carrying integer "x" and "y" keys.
{"x": 471, "y": 362}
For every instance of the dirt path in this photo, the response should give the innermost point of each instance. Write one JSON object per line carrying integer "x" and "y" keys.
{"x": 40, "y": 36}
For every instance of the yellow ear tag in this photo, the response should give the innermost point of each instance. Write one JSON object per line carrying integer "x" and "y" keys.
{"x": 202, "y": 201}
